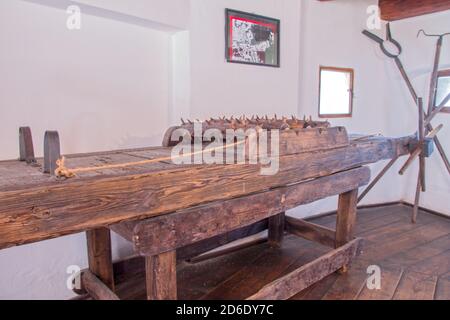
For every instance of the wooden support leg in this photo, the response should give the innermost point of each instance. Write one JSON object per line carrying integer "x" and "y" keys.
{"x": 161, "y": 276}
{"x": 346, "y": 219}
{"x": 276, "y": 229}
{"x": 99, "y": 255}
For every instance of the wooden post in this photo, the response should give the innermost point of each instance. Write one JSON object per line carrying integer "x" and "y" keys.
{"x": 26, "y": 145}
{"x": 99, "y": 255}
{"x": 346, "y": 219}
{"x": 276, "y": 229}
{"x": 52, "y": 151}
{"x": 161, "y": 276}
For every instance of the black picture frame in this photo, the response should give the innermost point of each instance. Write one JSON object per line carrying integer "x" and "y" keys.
{"x": 266, "y": 27}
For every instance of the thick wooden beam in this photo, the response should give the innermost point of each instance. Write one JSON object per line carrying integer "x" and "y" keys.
{"x": 96, "y": 288}
{"x": 392, "y": 10}
{"x": 276, "y": 229}
{"x": 169, "y": 232}
{"x": 161, "y": 276}
{"x": 99, "y": 255}
{"x": 346, "y": 217}
{"x": 300, "y": 279}
{"x": 311, "y": 231}
{"x": 53, "y": 208}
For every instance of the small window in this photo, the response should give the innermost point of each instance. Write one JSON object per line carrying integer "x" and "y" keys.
{"x": 336, "y": 92}
{"x": 443, "y": 88}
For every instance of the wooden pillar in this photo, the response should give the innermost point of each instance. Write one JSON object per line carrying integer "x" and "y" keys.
{"x": 276, "y": 229}
{"x": 161, "y": 276}
{"x": 346, "y": 219}
{"x": 99, "y": 255}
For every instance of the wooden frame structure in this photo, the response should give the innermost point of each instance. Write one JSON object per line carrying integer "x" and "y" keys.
{"x": 158, "y": 239}
{"x": 171, "y": 212}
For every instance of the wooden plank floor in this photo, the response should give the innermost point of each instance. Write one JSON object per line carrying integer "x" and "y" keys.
{"x": 414, "y": 262}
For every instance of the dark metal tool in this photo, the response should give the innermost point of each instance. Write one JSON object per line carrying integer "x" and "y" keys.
{"x": 382, "y": 42}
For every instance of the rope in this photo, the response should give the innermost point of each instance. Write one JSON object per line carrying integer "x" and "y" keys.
{"x": 63, "y": 171}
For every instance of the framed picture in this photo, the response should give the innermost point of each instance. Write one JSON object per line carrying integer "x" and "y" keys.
{"x": 252, "y": 39}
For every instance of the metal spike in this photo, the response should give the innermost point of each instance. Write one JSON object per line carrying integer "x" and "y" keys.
{"x": 190, "y": 122}
{"x": 182, "y": 121}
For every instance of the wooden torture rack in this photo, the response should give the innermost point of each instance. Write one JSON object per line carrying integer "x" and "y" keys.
{"x": 172, "y": 212}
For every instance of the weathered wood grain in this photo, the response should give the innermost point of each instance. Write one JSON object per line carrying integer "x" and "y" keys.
{"x": 311, "y": 231}
{"x": 392, "y": 10}
{"x": 292, "y": 283}
{"x": 276, "y": 229}
{"x": 416, "y": 286}
{"x": 346, "y": 217}
{"x": 100, "y": 256}
{"x": 96, "y": 288}
{"x": 36, "y": 209}
{"x": 168, "y": 232}
{"x": 241, "y": 274}
{"x": 161, "y": 276}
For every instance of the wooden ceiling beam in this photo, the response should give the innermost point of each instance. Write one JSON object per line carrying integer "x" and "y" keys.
{"x": 392, "y": 10}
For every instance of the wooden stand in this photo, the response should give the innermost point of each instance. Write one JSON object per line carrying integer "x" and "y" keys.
{"x": 159, "y": 239}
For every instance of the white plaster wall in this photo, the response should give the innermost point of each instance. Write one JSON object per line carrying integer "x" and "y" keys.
{"x": 221, "y": 88}
{"x": 331, "y": 35}
{"x": 170, "y": 12}
{"x": 103, "y": 87}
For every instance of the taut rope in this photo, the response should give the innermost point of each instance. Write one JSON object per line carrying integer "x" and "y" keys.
{"x": 63, "y": 171}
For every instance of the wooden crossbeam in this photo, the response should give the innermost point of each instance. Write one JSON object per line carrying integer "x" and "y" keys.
{"x": 38, "y": 209}
{"x": 96, "y": 288}
{"x": 300, "y": 279}
{"x": 198, "y": 248}
{"x": 173, "y": 231}
{"x": 311, "y": 231}
{"x": 392, "y": 10}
